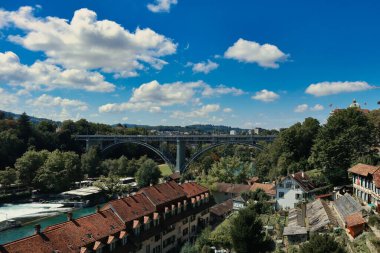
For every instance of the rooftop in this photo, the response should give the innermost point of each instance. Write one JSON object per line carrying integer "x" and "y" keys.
{"x": 294, "y": 230}
{"x": 354, "y": 219}
{"x": 317, "y": 215}
{"x": 346, "y": 205}
{"x": 363, "y": 169}
{"x": 222, "y": 208}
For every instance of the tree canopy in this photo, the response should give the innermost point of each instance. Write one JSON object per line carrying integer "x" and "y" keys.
{"x": 321, "y": 244}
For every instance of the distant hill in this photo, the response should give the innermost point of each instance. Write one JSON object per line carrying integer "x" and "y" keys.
{"x": 191, "y": 129}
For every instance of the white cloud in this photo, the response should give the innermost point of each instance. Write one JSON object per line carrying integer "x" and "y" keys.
{"x": 227, "y": 110}
{"x": 265, "y": 55}
{"x": 317, "y": 107}
{"x": 301, "y": 108}
{"x": 330, "y": 88}
{"x": 203, "y": 67}
{"x": 221, "y": 90}
{"x": 161, "y": 5}
{"x": 266, "y": 96}
{"x": 45, "y": 76}
{"x": 46, "y": 101}
{"x": 8, "y": 101}
{"x": 202, "y": 112}
{"x": 87, "y": 43}
{"x": 153, "y": 95}
{"x": 125, "y": 119}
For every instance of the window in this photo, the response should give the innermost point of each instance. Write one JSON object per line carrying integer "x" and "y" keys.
{"x": 112, "y": 246}
{"x": 137, "y": 230}
{"x": 157, "y": 237}
{"x": 281, "y": 185}
{"x": 147, "y": 248}
{"x": 281, "y": 195}
{"x": 185, "y": 231}
{"x": 192, "y": 218}
{"x": 193, "y": 228}
{"x": 289, "y": 185}
{"x": 124, "y": 241}
{"x": 157, "y": 249}
{"x": 156, "y": 222}
{"x": 185, "y": 221}
{"x": 298, "y": 196}
{"x": 173, "y": 211}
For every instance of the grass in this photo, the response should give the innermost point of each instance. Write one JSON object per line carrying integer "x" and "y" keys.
{"x": 165, "y": 170}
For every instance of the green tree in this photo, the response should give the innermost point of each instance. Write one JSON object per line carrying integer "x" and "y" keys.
{"x": 347, "y": 137}
{"x": 321, "y": 244}
{"x": 24, "y": 127}
{"x": 11, "y": 147}
{"x": 7, "y": 176}
{"x": 148, "y": 173}
{"x": 203, "y": 239}
{"x": 90, "y": 162}
{"x": 221, "y": 235}
{"x": 188, "y": 248}
{"x": 111, "y": 186}
{"x": 28, "y": 164}
{"x": 230, "y": 170}
{"x": 247, "y": 233}
{"x": 59, "y": 171}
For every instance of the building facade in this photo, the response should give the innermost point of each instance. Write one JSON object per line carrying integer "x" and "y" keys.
{"x": 292, "y": 189}
{"x": 366, "y": 183}
{"x": 158, "y": 219}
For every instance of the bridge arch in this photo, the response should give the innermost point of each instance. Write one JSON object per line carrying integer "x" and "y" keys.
{"x": 201, "y": 152}
{"x": 154, "y": 149}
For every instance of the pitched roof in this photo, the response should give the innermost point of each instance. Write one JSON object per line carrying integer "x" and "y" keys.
{"x": 232, "y": 188}
{"x": 70, "y": 236}
{"x": 222, "y": 208}
{"x": 269, "y": 189}
{"x": 175, "y": 176}
{"x": 192, "y": 189}
{"x": 346, "y": 205}
{"x": 303, "y": 180}
{"x": 132, "y": 207}
{"x": 317, "y": 215}
{"x": 294, "y": 230}
{"x": 354, "y": 219}
{"x": 163, "y": 193}
{"x": 363, "y": 169}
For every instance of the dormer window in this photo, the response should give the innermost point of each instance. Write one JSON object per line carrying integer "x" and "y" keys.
{"x": 179, "y": 207}
{"x": 206, "y": 197}
{"x": 156, "y": 219}
{"x": 166, "y": 215}
{"x": 123, "y": 236}
{"x": 146, "y": 223}
{"x": 193, "y": 202}
{"x": 173, "y": 210}
{"x": 198, "y": 200}
{"x": 136, "y": 227}
{"x": 184, "y": 205}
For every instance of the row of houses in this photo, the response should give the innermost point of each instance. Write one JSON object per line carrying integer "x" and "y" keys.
{"x": 158, "y": 219}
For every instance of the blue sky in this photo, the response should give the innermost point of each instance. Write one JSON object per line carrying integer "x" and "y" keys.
{"x": 178, "y": 62}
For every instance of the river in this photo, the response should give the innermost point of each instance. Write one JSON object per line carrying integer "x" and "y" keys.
{"x": 29, "y": 210}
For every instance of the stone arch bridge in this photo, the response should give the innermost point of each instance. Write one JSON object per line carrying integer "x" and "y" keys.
{"x": 107, "y": 142}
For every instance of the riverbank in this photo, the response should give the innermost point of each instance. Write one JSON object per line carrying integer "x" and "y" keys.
{"x": 28, "y": 228}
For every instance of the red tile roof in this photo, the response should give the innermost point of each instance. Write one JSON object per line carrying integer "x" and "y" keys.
{"x": 192, "y": 189}
{"x": 232, "y": 188}
{"x": 363, "y": 169}
{"x": 303, "y": 180}
{"x": 354, "y": 219}
{"x": 132, "y": 207}
{"x": 222, "y": 208}
{"x": 163, "y": 193}
{"x": 70, "y": 236}
{"x": 269, "y": 189}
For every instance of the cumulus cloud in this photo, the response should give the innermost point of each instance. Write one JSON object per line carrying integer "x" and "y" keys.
{"x": 161, "y": 5}
{"x": 202, "y": 112}
{"x": 46, "y": 101}
{"x": 8, "y": 101}
{"x": 317, "y": 107}
{"x": 203, "y": 67}
{"x": 46, "y": 76}
{"x": 87, "y": 43}
{"x": 330, "y": 88}
{"x": 266, "y": 96}
{"x": 301, "y": 108}
{"x": 227, "y": 110}
{"x": 305, "y": 107}
{"x": 153, "y": 95}
{"x": 265, "y": 55}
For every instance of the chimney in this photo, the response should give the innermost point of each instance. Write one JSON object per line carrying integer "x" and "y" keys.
{"x": 69, "y": 216}
{"x": 37, "y": 229}
{"x": 97, "y": 208}
{"x": 303, "y": 174}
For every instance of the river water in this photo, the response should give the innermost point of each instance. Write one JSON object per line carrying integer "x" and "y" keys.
{"x": 55, "y": 211}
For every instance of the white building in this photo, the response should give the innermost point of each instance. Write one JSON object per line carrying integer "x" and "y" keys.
{"x": 293, "y": 189}
{"x": 233, "y": 132}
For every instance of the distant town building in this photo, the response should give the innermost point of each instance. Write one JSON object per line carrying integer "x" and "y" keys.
{"x": 295, "y": 232}
{"x": 319, "y": 216}
{"x": 366, "y": 183}
{"x": 220, "y": 211}
{"x": 293, "y": 189}
{"x": 354, "y": 104}
{"x": 232, "y": 132}
{"x": 238, "y": 203}
{"x": 224, "y": 191}
{"x": 158, "y": 219}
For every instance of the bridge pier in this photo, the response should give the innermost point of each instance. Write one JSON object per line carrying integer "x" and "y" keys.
{"x": 180, "y": 158}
